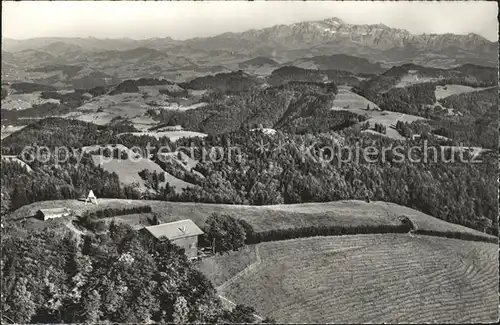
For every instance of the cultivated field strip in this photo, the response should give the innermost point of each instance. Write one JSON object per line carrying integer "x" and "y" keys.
{"x": 380, "y": 278}
{"x": 220, "y": 269}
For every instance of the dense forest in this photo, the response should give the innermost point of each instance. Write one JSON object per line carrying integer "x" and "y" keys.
{"x": 287, "y": 74}
{"x": 458, "y": 192}
{"x": 467, "y": 118}
{"x": 59, "y": 132}
{"x": 380, "y": 89}
{"x": 29, "y": 87}
{"x": 68, "y": 102}
{"x": 47, "y": 181}
{"x": 476, "y": 120}
{"x": 68, "y": 70}
{"x": 408, "y": 100}
{"x": 294, "y": 107}
{"x": 118, "y": 277}
{"x": 132, "y": 85}
{"x": 224, "y": 82}
{"x": 292, "y": 174}
{"x": 291, "y": 147}
{"x": 467, "y": 74}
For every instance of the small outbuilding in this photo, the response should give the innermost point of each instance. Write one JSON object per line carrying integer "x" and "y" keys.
{"x": 183, "y": 233}
{"x": 46, "y": 214}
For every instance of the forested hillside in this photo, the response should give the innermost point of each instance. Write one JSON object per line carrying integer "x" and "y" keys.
{"x": 224, "y": 82}
{"x": 286, "y": 74}
{"x": 289, "y": 174}
{"x": 294, "y": 107}
{"x": 59, "y": 132}
{"x": 118, "y": 277}
{"x": 320, "y": 160}
{"x": 293, "y": 173}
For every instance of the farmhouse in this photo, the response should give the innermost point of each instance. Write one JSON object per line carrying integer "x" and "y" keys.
{"x": 46, "y": 214}
{"x": 183, "y": 233}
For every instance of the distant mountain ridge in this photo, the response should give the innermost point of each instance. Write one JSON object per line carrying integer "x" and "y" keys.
{"x": 329, "y": 44}
{"x": 339, "y": 62}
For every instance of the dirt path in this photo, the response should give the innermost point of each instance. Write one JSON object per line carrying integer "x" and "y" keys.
{"x": 78, "y": 233}
{"x": 243, "y": 272}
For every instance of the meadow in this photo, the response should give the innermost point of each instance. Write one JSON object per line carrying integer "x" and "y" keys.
{"x": 451, "y": 89}
{"x": 347, "y": 213}
{"x": 128, "y": 171}
{"x": 9, "y": 129}
{"x": 346, "y": 100}
{"x": 172, "y": 135}
{"x": 390, "y": 278}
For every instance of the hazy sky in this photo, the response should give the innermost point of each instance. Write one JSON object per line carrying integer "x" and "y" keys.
{"x": 181, "y": 20}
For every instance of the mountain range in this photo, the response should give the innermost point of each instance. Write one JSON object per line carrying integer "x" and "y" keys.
{"x": 325, "y": 44}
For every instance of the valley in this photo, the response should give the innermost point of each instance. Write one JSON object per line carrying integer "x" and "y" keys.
{"x": 318, "y": 171}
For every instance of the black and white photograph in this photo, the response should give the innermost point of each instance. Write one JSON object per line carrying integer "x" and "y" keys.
{"x": 249, "y": 162}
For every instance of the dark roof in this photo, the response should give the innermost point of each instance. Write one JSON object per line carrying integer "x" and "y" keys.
{"x": 54, "y": 211}
{"x": 175, "y": 230}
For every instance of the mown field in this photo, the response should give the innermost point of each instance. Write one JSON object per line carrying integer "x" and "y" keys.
{"x": 9, "y": 129}
{"x": 128, "y": 171}
{"x": 172, "y": 135}
{"x": 390, "y": 278}
{"x": 221, "y": 268}
{"x": 357, "y": 104}
{"x": 262, "y": 218}
{"x": 451, "y": 89}
{"x": 346, "y": 97}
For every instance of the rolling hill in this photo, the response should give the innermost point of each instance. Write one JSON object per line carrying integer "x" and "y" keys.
{"x": 128, "y": 170}
{"x": 226, "y": 82}
{"x": 325, "y": 44}
{"x": 263, "y": 218}
{"x": 391, "y": 278}
{"x": 258, "y": 66}
{"x": 339, "y": 62}
{"x": 346, "y": 100}
{"x": 293, "y": 103}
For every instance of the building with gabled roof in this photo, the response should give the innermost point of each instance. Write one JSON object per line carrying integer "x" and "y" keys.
{"x": 46, "y": 214}
{"x": 183, "y": 233}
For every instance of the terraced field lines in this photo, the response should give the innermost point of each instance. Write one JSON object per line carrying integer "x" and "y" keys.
{"x": 372, "y": 278}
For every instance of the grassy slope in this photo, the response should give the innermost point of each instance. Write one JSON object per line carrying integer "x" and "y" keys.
{"x": 372, "y": 278}
{"x": 452, "y": 89}
{"x": 172, "y": 135}
{"x": 221, "y": 268}
{"x": 357, "y": 104}
{"x": 262, "y": 218}
{"x": 9, "y": 129}
{"x": 128, "y": 171}
{"x": 346, "y": 97}
{"x": 24, "y": 101}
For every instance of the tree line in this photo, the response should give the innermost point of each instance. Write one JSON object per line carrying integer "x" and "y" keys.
{"x": 224, "y": 233}
{"x": 436, "y": 185}
{"x": 113, "y": 212}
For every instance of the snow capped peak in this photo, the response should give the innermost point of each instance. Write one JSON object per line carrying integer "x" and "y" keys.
{"x": 334, "y": 21}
